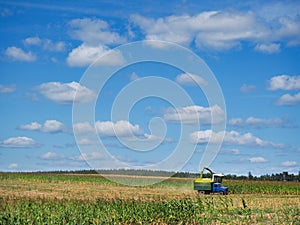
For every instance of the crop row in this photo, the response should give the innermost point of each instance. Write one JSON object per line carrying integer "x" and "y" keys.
{"x": 263, "y": 187}
{"x": 199, "y": 210}
{"x": 235, "y": 186}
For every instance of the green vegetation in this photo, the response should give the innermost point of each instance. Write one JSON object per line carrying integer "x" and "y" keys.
{"x": 263, "y": 187}
{"x": 36, "y": 198}
{"x": 198, "y": 210}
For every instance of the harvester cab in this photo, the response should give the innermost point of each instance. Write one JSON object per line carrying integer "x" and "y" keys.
{"x": 212, "y": 184}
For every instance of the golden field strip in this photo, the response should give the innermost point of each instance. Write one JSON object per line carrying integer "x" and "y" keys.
{"x": 250, "y": 202}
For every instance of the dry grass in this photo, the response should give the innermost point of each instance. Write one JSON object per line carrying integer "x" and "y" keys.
{"x": 35, "y": 188}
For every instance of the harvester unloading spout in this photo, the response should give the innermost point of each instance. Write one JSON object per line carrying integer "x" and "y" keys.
{"x": 210, "y": 185}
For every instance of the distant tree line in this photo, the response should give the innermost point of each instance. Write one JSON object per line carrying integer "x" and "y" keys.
{"x": 284, "y": 176}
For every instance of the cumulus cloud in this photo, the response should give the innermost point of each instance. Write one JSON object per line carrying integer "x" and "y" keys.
{"x": 257, "y": 160}
{"x": 88, "y": 157}
{"x": 287, "y": 83}
{"x": 93, "y": 32}
{"x": 220, "y": 30}
{"x": 82, "y": 128}
{"x": 18, "y": 54}
{"x": 267, "y": 48}
{"x": 230, "y": 138}
{"x": 46, "y": 44}
{"x": 18, "y": 142}
{"x": 7, "y": 88}
{"x": 32, "y": 126}
{"x": 13, "y": 166}
{"x": 53, "y": 126}
{"x": 288, "y": 99}
{"x": 261, "y": 122}
{"x": 289, "y": 30}
{"x": 194, "y": 113}
{"x": 289, "y": 163}
{"x": 131, "y": 133}
{"x": 247, "y": 88}
{"x": 49, "y": 126}
{"x": 85, "y": 55}
{"x": 65, "y": 93}
{"x": 51, "y": 156}
{"x": 213, "y": 29}
{"x": 284, "y": 82}
{"x": 190, "y": 80}
{"x": 96, "y": 36}
{"x": 85, "y": 141}
{"x": 120, "y": 128}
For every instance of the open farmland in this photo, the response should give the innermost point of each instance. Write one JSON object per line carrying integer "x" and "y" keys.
{"x": 91, "y": 199}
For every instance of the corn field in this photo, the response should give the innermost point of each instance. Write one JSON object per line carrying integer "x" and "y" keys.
{"x": 84, "y": 199}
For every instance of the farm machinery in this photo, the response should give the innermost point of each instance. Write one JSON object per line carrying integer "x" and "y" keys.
{"x": 210, "y": 185}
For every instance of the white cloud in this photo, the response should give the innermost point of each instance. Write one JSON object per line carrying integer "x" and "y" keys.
{"x": 85, "y": 141}
{"x": 158, "y": 44}
{"x": 214, "y": 29}
{"x": 194, "y": 113}
{"x": 52, "y": 46}
{"x": 257, "y": 160}
{"x": 220, "y": 30}
{"x": 51, "y": 156}
{"x": 32, "y": 126}
{"x": 17, "y": 54}
{"x": 96, "y": 36}
{"x": 289, "y": 163}
{"x": 144, "y": 138}
{"x": 260, "y": 122}
{"x": 289, "y": 30}
{"x": 288, "y": 99}
{"x": 46, "y": 44}
{"x": 230, "y": 138}
{"x": 274, "y": 10}
{"x": 64, "y": 93}
{"x": 267, "y": 48}
{"x": 7, "y": 88}
{"x": 94, "y": 32}
{"x": 82, "y": 128}
{"x": 49, "y": 126}
{"x": 88, "y": 157}
{"x": 32, "y": 41}
{"x": 53, "y": 126}
{"x": 203, "y": 137}
{"x": 163, "y": 28}
{"x": 190, "y": 80}
{"x": 247, "y": 88}
{"x": 84, "y": 55}
{"x": 13, "y": 166}
{"x": 18, "y": 142}
{"x": 284, "y": 82}
{"x": 120, "y": 128}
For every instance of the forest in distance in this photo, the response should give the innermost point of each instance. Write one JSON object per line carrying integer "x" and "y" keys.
{"x": 283, "y": 176}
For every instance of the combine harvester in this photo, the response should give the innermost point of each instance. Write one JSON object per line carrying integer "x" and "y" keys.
{"x": 210, "y": 185}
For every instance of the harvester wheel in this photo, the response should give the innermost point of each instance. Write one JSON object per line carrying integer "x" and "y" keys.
{"x": 201, "y": 192}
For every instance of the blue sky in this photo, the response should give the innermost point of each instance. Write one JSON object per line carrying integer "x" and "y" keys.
{"x": 252, "y": 48}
